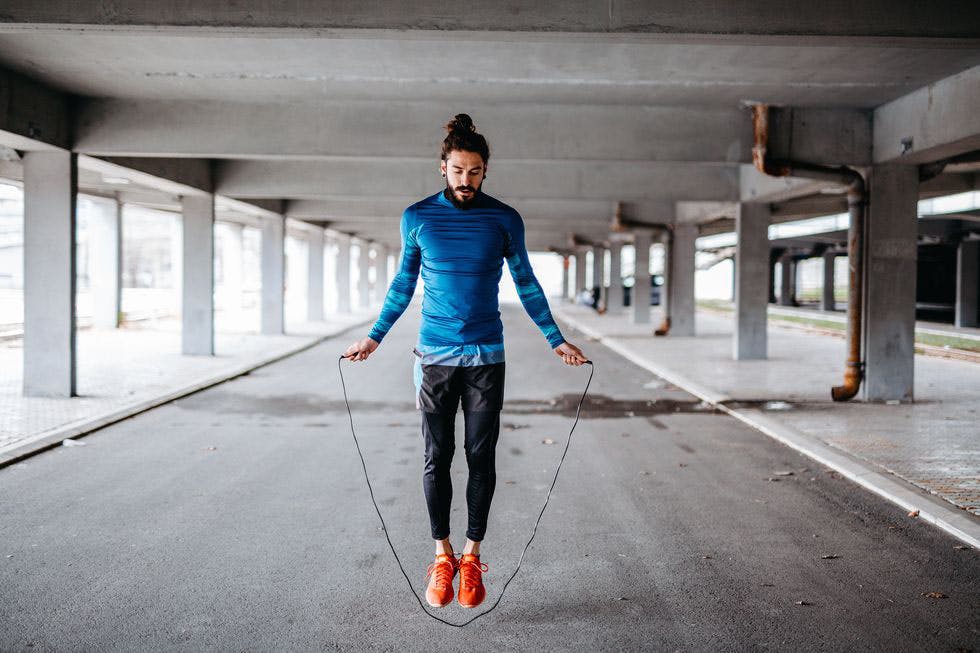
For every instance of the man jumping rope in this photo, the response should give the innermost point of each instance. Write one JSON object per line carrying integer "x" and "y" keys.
{"x": 457, "y": 239}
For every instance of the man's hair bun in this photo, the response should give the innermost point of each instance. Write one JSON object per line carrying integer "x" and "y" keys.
{"x": 461, "y": 123}
{"x": 463, "y": 136}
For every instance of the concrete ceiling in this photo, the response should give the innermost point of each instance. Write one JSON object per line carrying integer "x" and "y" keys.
{"x": 337, "y": 107}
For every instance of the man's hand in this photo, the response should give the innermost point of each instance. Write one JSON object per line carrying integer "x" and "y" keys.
{"x": 571, "y": 354}
{"x": 360, "y": 350}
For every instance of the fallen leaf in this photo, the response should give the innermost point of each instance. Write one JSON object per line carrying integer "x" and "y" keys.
{"x": 961, "y": 547}
{"x": 706, "y": 557}
{"x": 914, "y": 513}
{"x": 832, "y": 556}
{"x": 773, "y": 479}
{"x": 785, "y": 472}
{"x": 211, "y": 449}
{"x": 547, "y": 441}
{"x": 934, "y": 595}
{"x": 682, "y": 464}
{"x": 803, "y": 603}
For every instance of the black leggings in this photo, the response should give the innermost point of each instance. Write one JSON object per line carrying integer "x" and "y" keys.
{"x": 480, "y": 443}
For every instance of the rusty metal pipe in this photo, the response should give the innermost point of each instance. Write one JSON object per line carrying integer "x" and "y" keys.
{"x": 856, "y": 202}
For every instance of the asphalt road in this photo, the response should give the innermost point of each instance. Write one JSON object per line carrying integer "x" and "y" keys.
{"x": 238, "y": 519}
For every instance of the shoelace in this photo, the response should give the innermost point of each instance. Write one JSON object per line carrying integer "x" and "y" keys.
{"x": 534, "y": 529}
{"x": 470, "y": 572}
{"x": 443, "y": 571}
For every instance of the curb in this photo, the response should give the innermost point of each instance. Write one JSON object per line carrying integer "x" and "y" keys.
{"x": 936, "y": 511}
{"x": 53, "y": 437}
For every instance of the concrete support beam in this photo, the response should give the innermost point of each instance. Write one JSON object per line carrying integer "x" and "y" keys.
{"x": 273, "y": 246}
{"x": 640, "y": 298}
{"x": 343, "y": 273}
{"x": 364, "y": 271}
{"x": 932, "y": 123}
{"x": 827, "y": 302}
{"x": 752, "y": 282}
{"x": 800, "y": 134}
{"x": 33, "y": 117}
{"x": 314, "y": 271}
{"x": 615, "y": 300}
{"x": 233, "y": 272}
{"x": 967, "y": 270}
{"x": 105, "y": 264}
{"x": 598, "y": 267}
{"x": 523, "y": 130}
{"x": 680, "y": 282}
{"x": 381, "y": 271}
{"x": 787, "y": 285}
{"x": 561, "y": 179}
{"x": 889, "y": 295}
{"x": 50, "y": 188}
{"x": 197, "y": 275}
{"x": 579, "y": 273}
{"x": 565, "y": 264}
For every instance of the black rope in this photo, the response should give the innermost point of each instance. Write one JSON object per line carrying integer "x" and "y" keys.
{"x": 534, "y": 531}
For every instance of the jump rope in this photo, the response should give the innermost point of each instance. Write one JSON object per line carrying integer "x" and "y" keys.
{"x": 534, "y": 530}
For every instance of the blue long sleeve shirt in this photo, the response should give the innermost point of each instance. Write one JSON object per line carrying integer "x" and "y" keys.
{"x": 459, "y": 254}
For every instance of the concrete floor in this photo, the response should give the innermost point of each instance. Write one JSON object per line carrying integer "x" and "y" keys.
{"x": 237, "y": 518}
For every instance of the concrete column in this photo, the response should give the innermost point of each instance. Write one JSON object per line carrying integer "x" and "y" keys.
{"x": 364, "y": 269}
{"x": 579, "y": 272}
{"x": 598, "y": 267}
{"x": 197, "y": 289}
{"x": 343, "y": 274}
{"x": 233, "y": 272}
{"x": 966, "y": 283}
{"x": 615, "y": 276}
{"x": 565, "y": 263}
{"x": 273, "y": 276}
{"x": 50, "y": 191}
{"x": 177, "y": 262}
{"x": 381, "y": 272}
{"x": 753, "y": 272}
{"x": 642, "y": 239}
{"x": 786, "y": 280}
{"x": 105, "y": 264}
{"x": 680, "y": 275}
{"x": 889, "y": 297}
{"x": 827, "y": 296}
{"x": 314, "y": 278}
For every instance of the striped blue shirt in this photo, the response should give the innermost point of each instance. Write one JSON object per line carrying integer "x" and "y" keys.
{"x": 459, "y": 253}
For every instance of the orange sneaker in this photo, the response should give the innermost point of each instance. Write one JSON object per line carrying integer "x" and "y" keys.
{"x": 439, "y": 592}
{"x": 471, "y": 589}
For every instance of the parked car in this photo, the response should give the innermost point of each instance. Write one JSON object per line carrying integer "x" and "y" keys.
{"x": 656, "y": 284}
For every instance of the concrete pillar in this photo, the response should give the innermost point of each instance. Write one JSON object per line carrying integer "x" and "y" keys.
{"x": 615, "y": 276}
{"x": 343, "y": 274}
{"x": 642, "y": 239}
{"x": 753, "y": 273}
{"x": 889, "y": 296}
{"x": 579, "y": 273}
{"x": 786, "y": 280}
{"x": 966, "y": 283}
{"x": 364, "y": 270}
{"x": 565, "y": 263}
{"x": 273, "y": 276}
{"x": 50, "y": 191}
{"x": 680, "y": 276}
{"x": 381, "y": 272}
{"x": 598, "y": 267}
{"x": 197, "y": 289}
{"x": 314, "y": 279}
{"x": 233, "y": 272}
{"x": 105, "y": 264}
{"x": 827, "y": 296}
{"x": 774, "y": 256}
{"x": 177, "y": 262}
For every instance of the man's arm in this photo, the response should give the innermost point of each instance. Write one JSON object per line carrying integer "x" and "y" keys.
{"x": 403, "y": 285}
{"x": 528, "y": 288}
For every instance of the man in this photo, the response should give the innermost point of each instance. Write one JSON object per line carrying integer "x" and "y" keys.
{"x": 457, "y": 239}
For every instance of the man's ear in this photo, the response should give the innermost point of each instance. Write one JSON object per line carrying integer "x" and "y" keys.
{"x": 442, "y": 168}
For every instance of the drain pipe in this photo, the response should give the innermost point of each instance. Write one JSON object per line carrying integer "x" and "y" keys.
{"x": 856, "y": 202}
{"x": 620, "y": 224}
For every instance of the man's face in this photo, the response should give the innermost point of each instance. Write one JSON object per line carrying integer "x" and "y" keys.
{"x": 464, "y": 174}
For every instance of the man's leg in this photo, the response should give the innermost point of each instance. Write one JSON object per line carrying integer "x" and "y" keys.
{"x": 482, "y": 431}
{"x": 438, "y": 430}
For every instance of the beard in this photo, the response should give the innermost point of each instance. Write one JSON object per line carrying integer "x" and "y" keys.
{"x": 450, "y": 194}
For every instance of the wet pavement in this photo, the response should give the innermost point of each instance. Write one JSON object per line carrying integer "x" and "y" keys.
{"x": 238, "y": 518}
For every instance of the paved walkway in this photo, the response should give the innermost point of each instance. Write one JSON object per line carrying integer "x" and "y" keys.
{"x": 122, "y": 371}
{"x": 237, "y": 518}
{"x": 933, "y": 443}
